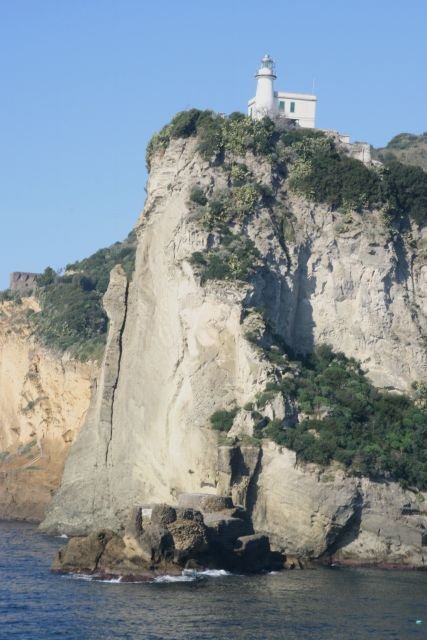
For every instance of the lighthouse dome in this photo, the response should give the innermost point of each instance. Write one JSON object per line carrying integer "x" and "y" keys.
{"x": 266, "y": 68}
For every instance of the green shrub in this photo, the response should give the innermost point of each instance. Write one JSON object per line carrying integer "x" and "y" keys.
{"x": 240, "y": 174}
{"x": 217, "y": 135}
{"x": 223, "y": 420}
{"x": 405, "y": 191}
{"x": 9, "y": 295}
{"x": 184, "y": 124}
{"x": 219, "y": 210}
{"x": 367, "y": 430}
{"x": 72, "y": 317}
{"x": 209, "y": 132}
{"x": 158, "y": 142}
{"x": 318, "y": 169}
{"x": 48, "y": 277}
{"x": 235, "y": 259}
{"x": 402, "y": 141}
{"x": 322, "y": 174}
{"x": 244, "y": 199}
{"x": 197, "y": 195}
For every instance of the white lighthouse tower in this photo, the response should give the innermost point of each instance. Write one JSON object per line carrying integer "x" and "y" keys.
{"x": 265, "y": 101}
{"x": 296, "y": 108}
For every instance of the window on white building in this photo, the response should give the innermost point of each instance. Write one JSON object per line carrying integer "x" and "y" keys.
{"x": 292, "y": 107}
{"x": 282, "y": 106}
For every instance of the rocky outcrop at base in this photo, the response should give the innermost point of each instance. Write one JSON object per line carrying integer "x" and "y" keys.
{"x": 161, "y": 539}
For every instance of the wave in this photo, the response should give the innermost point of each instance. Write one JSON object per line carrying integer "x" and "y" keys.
{"x": 191, "y": 575}
{"x": 188, "y": 575}
{"x": 210, "y": 573}
{"x": 89, "y": 578}
{"x": 182, "y": 578}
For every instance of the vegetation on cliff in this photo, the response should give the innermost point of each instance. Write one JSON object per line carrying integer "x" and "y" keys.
{"x": 407, "y": 148}
{"x": 317, "y": 167}
{"x": 342, "y": 417}
{"x": 72, "y": 317}
{"x": 345, "y": 418}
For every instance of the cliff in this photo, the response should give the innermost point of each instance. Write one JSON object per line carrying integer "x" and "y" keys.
{"x": 43, "y": 401}
{"x": 181, "y": 347}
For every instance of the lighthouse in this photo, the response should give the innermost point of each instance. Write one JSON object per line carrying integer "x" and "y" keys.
{"x": 298, "y": 109}
{"x": 265, "y": 102}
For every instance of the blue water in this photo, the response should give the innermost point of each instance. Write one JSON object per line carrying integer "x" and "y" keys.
{"x": 320, "y": 604}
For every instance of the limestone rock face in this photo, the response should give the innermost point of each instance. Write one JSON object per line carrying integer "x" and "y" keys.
{"x": 178, "y": 351}
{"x": 87, "y": 483}
{"x": 360, "y": 290}
{"x": 43, "y": 401}
{"x": 389, "y": 530}
{"x": 325, "y": 514}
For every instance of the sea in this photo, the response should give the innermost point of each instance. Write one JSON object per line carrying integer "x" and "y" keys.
{"x": 320, "y": 604}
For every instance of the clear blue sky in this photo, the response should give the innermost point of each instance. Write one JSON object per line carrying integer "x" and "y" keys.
{"x": 85, "y": 83}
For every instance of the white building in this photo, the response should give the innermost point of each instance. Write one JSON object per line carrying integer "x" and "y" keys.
{"x": 300, "y": 107}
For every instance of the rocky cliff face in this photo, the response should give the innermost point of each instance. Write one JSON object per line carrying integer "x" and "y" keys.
{"x": 178, "y": 351}
{"x": 43, "y": 401}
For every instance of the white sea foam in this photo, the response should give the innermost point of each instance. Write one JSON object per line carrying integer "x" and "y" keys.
{"x": 188, "y": 575}
{"x": 182, "y": 578}
{"x": 213, "y": 573}
{"x": 62, "y": 535}
{"x": 88, "y": 578}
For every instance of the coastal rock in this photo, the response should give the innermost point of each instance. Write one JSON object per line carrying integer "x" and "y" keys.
{"x": 302, "y": 511}
{"x": 390, "y": 529}
{"x": 223, "y": 528}
{"x": 96, "y": 438}
{"x": 178, "y": 351}
{"x": 82, "y": 553}
{"x": 204, "y": 502}
{"x": 43, "y": 401}
{"x": 189, "y": 537}
{"x": 181, "y": 543}
{"x": 188, "y": 514}
{"x": 163, "y": 514}
{"x": 253, "y": 552}
{"x": 156, "y": 543}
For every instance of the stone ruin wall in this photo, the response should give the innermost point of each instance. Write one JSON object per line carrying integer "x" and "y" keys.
{"x": 23, "y": 281}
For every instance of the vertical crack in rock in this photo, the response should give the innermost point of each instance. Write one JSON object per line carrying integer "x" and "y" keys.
{"x": 117, "y": 376}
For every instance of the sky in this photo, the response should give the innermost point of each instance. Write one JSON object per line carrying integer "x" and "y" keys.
{"x": 85, "y": 83}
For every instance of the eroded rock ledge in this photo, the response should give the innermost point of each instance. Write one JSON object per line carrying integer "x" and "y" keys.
{"x": 202, "y": 531}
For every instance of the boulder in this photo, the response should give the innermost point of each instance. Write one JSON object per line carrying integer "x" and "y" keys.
{"x": 114, "y": 555}
{"x": 156, "y": 544}
{"x": 205, "y": 502}
{"x": 188, "y": 514}
{"x": 82, "y": 554}
{"x": 223, "y": 529}
{"x": 189, "y": 537}
{"x": 163, "y": 514}
{"x": 252, "y": 553}
{"x": 134, "y": 524}
{"x": 120, "y": 559}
